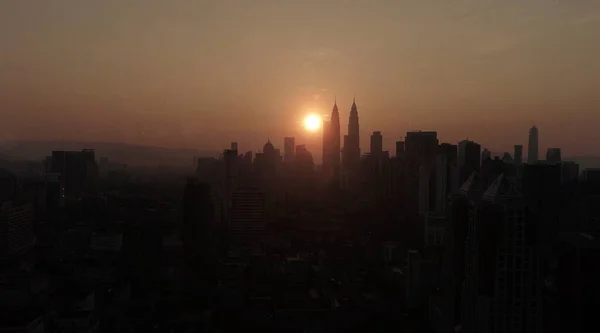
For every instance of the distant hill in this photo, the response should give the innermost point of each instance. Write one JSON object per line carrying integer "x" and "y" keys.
{"x": 135, "y": 155}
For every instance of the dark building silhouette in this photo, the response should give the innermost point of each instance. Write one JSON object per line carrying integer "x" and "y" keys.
{"x": 501, "y": 289}
{"x": 8, "y": 186}
{"x": 571, "y": 289}
{"x": 421, "y": 149}
{"x": 16, "y": 228}
{"x": 248, "y": 217}
{"x": 446, "y": 175}
{"x": 376, "y": 144}
{"x": 469, "y": 159}
{"x": 351, "y": 154}
{"x": 198, "y": 219}
{"x": 518, "y": 154}
{"x": 289, "y": 149}
{"x": 265, "y": 168}
{"x": 533, "y": 148}
{"x": 78, "y": 171}
{"x": 553, "y": 156}
{"x": 447, "y": 314}
{"x": 486, "y": 154}
{"x": 570, "y": 171}
{"x": 331, "y": 146}
{"x": 399, "y": 148}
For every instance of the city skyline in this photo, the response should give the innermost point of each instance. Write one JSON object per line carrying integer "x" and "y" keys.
{"x": 204, "y": 73}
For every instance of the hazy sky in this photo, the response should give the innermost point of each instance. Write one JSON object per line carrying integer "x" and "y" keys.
{"x": 201, "y": 73}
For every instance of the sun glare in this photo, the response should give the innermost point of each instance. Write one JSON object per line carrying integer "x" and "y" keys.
{"x": 312, "y": 122}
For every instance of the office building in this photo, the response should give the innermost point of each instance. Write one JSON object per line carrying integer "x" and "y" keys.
{"x": 331, "y": 146}
{"x": 570, "y": 171}
{"x": 469, "y": 159}
{"x": 501, "y": 287}
{"x": 442, "y": 182}
{"x": 78, "y": 171}
{"x": 450, "y": 153}
{"x": 532, "y": 148}
{"x": 8, "y": 186}
{"x": 571, "y": 294}
{"x": 591, "y": 174}
{"x": 399, "y": 148}
{"x": 289, "y": 149}
{"x": 420, "y": 151}
{"x": 518, "y": 154}
{"x": 486, "y": 155}
{"x": 351, "y": 154}
{"x": 198, "y": 216}
{"x": 16, "y": 228}
{"x": 376, "y": 144}
{"x": 419, "y": 278}
{"x": 553, "y": 156}
{"x": 248, "y": 216}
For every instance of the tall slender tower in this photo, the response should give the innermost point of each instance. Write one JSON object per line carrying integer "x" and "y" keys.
{"x": 532, "y": 148}
{"x": 335, "y": 141}
{"x": 352, "y": 140}
{"x": 327, "y": 147}
{"x": 331, "y": 144}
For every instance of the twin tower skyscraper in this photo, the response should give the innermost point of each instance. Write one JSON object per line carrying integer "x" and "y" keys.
{"x": 335, "y": 159}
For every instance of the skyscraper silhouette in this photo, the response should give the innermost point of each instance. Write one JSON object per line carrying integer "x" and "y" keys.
{"x": 532, "y": 148}
{"x": 469, "y": 159}
{"x": 553, "y": 155}
{"x": 518, "y": 154}
{"x": 331, "y": 144}
{"x": 335, "y": 140}
{"x": 289, "y": 149}
{"x": 376, "y": 143}
{"x": 352, "y": 140}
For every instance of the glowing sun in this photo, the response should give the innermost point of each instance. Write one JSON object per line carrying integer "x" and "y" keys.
{"x": 312, "y": 122}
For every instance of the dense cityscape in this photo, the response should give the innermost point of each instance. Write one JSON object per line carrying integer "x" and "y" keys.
{"x": 434, "y": 237}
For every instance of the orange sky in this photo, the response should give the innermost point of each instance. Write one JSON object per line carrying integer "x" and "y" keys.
{"x": 203, "y": 73}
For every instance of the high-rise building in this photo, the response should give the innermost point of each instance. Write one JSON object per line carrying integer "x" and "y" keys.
{"x": 16, "y": 228}
{"x": 421, "y": 149}
{"x": 8, "y": 186}
{"x": 486, "y": 154}
{"x": 572, "y": 295}
{"x": 421, "y": 146}
{"x": 54, "y": 195}
{"x": 399, "y": 148}
{"x": 570, "y": 171}
{"x": 507, "y": 158}
{"x": 248, "y": 217}
{"x": 463, "y": 203}
{"x": 198, "y": 216}
{"x": 289, "y": 149}
{"x": 78, "y": 171}
{"x": 446, "y": 174}
{"x": 352, "y": 140}
{"x": 331, "y": 146}
{"x": 376, "y": 143}
{"x": 335, "y": 144}
{"x": 518, "y": 158}
{"x": 553, "y": 155}
{"x": 532, "y": 148}
{"x": 327, "y": 163}
{"x": 501, "y": 287}
{"x": 469, "y": 159}
{"x": 441, "y": 183}
{"x": 590, "y": 174}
